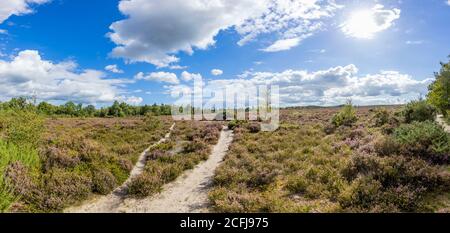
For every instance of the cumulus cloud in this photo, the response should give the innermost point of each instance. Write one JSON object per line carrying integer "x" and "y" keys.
{"x": 216, "y": 72}
{"x": 333, "y": 86}
{"x": 114, "y": 69}
{"x": 27, "y": 74}
{"x": 17, "y": 7}
{"x": 162, "y": 77}
{"x": 155, "y": 31}
{"x": 366, "y": 23}
{"x": 186, "y": 76}
{"x": 448, "y": 2}
{"x": 133, "y": 100}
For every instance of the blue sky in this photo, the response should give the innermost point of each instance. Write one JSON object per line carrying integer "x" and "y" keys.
{"x": 320, "y": 52}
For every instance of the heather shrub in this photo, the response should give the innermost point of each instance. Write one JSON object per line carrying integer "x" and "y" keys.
{"x": 56, "y": 158}
{"x": 419, "y": 111}
{"x": 210, "y": 133}
{"x": 103, "y": 181}
{"x": 381, "y": 117}
{"x": 385, "y": 146}
{"x": 62, "y": 188}
{"x": 152, "y": 122}
{"x": 388, "y": 184}
{"x": 426, "y": 140}
{"x": 16, "y": 182}
{"x": 145, "y": 185}
{"x": 194, "y": 146}
{"x": 346, "y": 116}
{"x": 12, "y": 156}
{"x": 254, "y": 127}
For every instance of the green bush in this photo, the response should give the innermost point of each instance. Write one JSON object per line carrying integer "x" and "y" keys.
{"x": 345, "y": 117}
{"x": 11, "y": 154}
{"x": 22, "y": 127}
{"x": 381, "y": 117}
{"x": 419, "y": 111}
{"x": 427, "y": 140}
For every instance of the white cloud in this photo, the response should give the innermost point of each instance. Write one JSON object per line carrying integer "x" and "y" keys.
{"x": 186, "y": 76}
{"x": 114, "y": 69}
{"x": 333, "y": 86}
{"x": 163, "y": 77}
{"x": 177, "y": 67}
{"x": 154, "y": 32}
{"x": 414, "y": 42}
{"x": 281, "y": 45}
{"x": 17, "y": 7}
{"x": 27, "y": 74}
{"x": 448, "y": 2}
{"x": 216, "y": 72}
{"x": 366, "y": 23}
{"x": 133, "y": 100}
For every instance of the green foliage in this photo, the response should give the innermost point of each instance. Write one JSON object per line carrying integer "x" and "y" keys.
{"x": 381, "y": 117}
{"x": 419, "y": 110}
{"x": 71, "y": 109}
{"x": 9, "y": 154}
{"x": 235, "y": 124}
{"x": 21, "y": 127}
{"x": 346, "y": 116}
{"x": 427, "y": 140}
{"x": 439, "y": 90}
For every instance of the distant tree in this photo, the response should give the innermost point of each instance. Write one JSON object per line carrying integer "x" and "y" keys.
{"x": 89, "y": 110}
{"x": 20, "y": 103}
{"x": 46, "y": 108}
{"x": 439, "y": 90}
{"x": 115, "y": 110}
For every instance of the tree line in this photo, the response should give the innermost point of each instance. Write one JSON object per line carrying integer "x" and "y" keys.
{"x": 117, "y": 109}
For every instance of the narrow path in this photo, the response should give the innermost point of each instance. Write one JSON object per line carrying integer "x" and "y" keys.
{"x": 187, "y": 194}
{"x": 110, "y": 202}
{"x": 440, "y": 119}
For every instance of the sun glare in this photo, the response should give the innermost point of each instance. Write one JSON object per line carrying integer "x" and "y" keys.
{"x": 361, "y": 24}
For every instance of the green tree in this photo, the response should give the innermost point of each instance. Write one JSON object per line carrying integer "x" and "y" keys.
{"x": 439, "y": 90}
{"x": 89, "y": 110}
{"x": 46, "y": 108}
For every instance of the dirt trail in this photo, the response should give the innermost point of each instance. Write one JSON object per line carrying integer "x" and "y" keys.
{"x": 440, "y": 119}
{"x": 110, "y": 202}
{"x": 187, "y": 194}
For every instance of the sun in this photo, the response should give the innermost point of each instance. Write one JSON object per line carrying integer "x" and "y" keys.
{"x": 361, "y": 24}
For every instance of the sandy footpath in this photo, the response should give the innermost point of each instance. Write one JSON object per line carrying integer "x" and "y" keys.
{"x": 187, "y": 194}
{"x": 110, "y": 203}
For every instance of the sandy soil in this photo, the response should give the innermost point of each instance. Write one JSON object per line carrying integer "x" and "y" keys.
{"x": 187, "y": 194}
{"x": 110, "y": 203}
